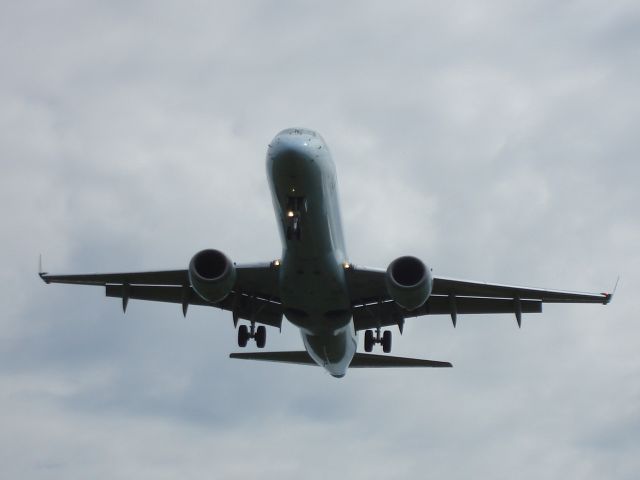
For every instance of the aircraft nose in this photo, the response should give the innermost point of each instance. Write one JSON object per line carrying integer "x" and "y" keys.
{"x": 297, "y": 152}
{"x": 294, "y": 143}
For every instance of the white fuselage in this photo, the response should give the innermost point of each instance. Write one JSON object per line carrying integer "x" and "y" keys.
{"x": 313, "y": 289}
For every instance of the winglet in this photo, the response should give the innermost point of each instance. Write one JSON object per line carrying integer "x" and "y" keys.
{"x": 42, "y": 274}
{"x": 609, "y": 296}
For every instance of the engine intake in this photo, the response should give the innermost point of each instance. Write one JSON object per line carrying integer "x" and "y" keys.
{"x": 212, "y": 275}
{"x": 409, "y": 282}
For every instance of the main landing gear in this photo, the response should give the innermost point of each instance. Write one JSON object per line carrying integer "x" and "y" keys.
{"x": 258, "y": 334}
{"x": 370, "y": 340}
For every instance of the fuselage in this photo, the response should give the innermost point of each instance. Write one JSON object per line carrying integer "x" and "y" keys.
{"x": 313, "y": 289}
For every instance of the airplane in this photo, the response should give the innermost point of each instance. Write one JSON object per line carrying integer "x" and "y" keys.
{"x": 313, "y": 284}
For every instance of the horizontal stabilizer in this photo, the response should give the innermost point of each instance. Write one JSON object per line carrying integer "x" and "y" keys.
{"x": 360, "y": 360}
{"x": 369, "y": 360}
{"x": 301, "y": 358}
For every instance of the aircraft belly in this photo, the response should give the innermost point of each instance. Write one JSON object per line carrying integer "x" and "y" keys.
{"x": 315, "y": 299}
{"x": 314, "y": 294}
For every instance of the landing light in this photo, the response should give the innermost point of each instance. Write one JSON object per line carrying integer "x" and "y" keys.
{"x": 346, "y": 265}
{"x": 289, "y": 214}
{"x": 276, "y": 263}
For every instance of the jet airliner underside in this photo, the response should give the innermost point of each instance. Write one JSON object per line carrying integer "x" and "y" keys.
{"x": 313, "y": 284}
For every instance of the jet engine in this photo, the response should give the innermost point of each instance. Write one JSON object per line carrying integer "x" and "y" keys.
{"x": 212, "y": 275}
{"x": 409, "y": 282}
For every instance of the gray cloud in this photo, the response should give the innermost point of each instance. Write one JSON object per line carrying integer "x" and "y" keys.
{"x": 497, "y": 142}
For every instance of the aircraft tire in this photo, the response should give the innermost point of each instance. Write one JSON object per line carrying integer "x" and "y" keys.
{"x": 261, "y": 336}
{"x": 368, "y": 340}
{"x": 386, "y": 341}
{"x": 243, "y": 336}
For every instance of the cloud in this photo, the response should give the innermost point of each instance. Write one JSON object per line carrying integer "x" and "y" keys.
{"x": 497, "y": 142}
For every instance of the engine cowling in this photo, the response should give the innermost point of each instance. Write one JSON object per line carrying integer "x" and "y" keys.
{"x": 212, "y": 275}
{"x": 409, "y": 282}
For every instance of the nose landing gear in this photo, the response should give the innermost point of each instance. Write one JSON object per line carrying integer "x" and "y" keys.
{"x": 258, "y": 334}
{"x": 295, "y": 205}
{"x": 370, "y": 340}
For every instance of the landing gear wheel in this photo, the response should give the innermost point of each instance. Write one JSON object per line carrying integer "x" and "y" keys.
{"x": 386, "y": 341}
{"x": 243, "y": 336}
{"x": 368, "y": 340}
{"x": 261, "y": 336}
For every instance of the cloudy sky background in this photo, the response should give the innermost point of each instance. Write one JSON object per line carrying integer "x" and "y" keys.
{"x": 498, "y": 142}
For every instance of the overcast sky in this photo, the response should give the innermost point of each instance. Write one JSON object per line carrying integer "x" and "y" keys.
{"x": 497, "y": 141}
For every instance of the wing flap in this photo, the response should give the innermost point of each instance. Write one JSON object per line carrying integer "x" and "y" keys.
{"x": 157, "y": 293}
{"x": 388, "y": 313}
{"x": 244, "y": 306}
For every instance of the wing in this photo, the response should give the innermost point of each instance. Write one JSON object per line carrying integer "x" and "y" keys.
{"x": 255, "y": 296}
{"x": 373, "y": 307}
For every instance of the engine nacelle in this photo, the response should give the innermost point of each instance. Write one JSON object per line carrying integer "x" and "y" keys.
{"x": 409, "y": 282}
{"x": 212, "y": 275}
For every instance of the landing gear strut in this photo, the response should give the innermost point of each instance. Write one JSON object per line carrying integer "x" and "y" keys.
{"x": 258, "y": 334}
{"x": 370, "y": 340}
{"x": 293, "y": 229}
